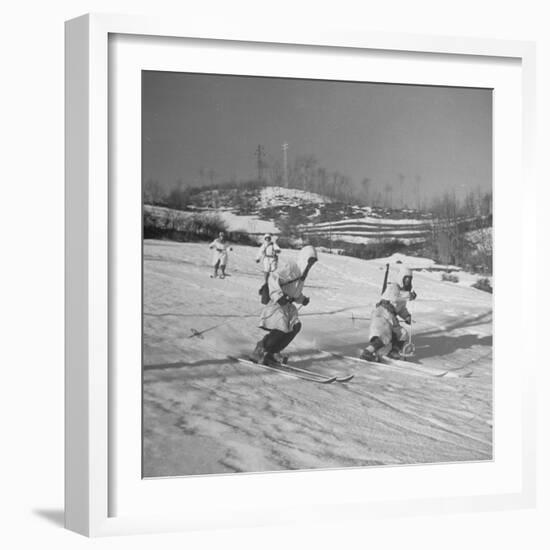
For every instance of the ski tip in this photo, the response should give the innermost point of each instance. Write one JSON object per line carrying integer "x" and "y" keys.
{"x": 345, "y": 379}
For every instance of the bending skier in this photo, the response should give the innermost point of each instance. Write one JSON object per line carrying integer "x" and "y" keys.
{"x": 279, "y": 316}
{"x": 386, "y": 335}
{"x": 219, "y": 257}
{"x": 268, "y": 255}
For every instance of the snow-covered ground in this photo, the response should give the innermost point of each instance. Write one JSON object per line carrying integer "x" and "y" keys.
{"x": 368, "y": 229}
{"x": 204, "y": 413}
{"x": 247, "y": 224}
{"x": 283, "y": 196}
{"x": 235, "y": 222}
{"x": 373, "y": 221}
{"x": 432, "y": 270}
{"x": 360, "y": 237}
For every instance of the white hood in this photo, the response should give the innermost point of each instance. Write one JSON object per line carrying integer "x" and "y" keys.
{"x": 288, "y": 271}
{"x": 404, "y": 271}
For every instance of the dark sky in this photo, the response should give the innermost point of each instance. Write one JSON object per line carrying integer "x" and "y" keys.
{"x": 437, "y": 137}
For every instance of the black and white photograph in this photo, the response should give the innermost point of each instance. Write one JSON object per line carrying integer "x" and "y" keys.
{"x": 317, "y": 274}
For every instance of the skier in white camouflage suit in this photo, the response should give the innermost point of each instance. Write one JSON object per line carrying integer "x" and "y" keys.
{"x": 268, "y": 255}
{"x": 280, "y": 316}
{"x": 219, "y": 256}
{"x": 386, "y": 335}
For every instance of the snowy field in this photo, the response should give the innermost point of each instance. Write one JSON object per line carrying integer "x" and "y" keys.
{"x": 283, "y": 196}
{"x": 234, "y": 222}
{"x": 204, "y": 413}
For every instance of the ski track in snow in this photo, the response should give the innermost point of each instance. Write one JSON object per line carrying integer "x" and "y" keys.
{"x": 204, "y": 413}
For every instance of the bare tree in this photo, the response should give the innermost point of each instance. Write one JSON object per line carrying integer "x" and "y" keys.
{"x": 211, "y": 177}
{"x": 153, "y": 192}
{"x": 275, "y": 171}
{"x": 417, "y": 192}
{"x": 366, "y": 188}
{"x": 483, "y": 236}
{"x": 259, "y": 153}
{"x": 388, "y": 188}
{"x": 448, "y": 240}
{"x": 322, "y": 179}
{"x": 402, "y": 189}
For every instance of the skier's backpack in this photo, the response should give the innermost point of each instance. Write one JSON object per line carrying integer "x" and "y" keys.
{"x": 264, "y": 294}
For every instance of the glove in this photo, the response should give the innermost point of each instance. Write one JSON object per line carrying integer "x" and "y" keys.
{"x": 305, "y": 301}
{"x": 413, "y": 295}
{"x": 257, "y": 261}
{"x": 284, "y": 300}
{"x": 408, "y": 320}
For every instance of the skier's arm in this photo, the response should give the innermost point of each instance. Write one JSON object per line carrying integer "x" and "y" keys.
{"x": 403, "y": 312}
{"x": 304, "y": 300}
{"x": 408, "y": 295}
{"x": 213, "y": 244}
{"x": 276, "y": 292}
{"x": 261, "y": 253}
{"x": 301, "y": 299}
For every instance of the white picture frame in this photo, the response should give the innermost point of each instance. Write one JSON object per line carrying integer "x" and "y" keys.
{"x": 92, "y": 435}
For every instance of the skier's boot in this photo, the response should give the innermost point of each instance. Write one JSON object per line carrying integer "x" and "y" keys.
{"x": 280, "y": 358}
{"x": 269, "y": 359}
{"x": 369, "y": 354}
{"x": 395, "y": 353}
{"x": 259, "y": 354}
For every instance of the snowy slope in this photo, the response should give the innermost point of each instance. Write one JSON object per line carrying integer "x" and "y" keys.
{"x": 247, "y": 224}
{"x": 370, "y": 228}
{"x": 206, "y": 414}
{"x": 430, "y": 269}
{"x": 283, "y": 196}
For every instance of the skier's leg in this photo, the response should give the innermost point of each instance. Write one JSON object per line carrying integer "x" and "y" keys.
{"x": 284, "y": 339}
{"x": 398, "y": 340}
{"x": 370, "y": 353}
{"x": 259, "y": 352}
{"x": 271, "y": 341}
{"x": 216, "y": 265}
{"x": 265, "y": 347}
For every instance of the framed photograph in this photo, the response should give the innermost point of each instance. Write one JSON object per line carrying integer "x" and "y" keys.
{"x": 289, "y": 259}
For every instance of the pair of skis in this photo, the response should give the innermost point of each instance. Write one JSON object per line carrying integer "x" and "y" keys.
{"x": 408, "y": 366}
{"x": 295, "y": 372}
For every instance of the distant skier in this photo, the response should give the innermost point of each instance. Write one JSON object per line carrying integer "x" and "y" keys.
{"x": 219, "y": 257}
{"x": 386, "y": 335}
{"x": 268, "y": 255}
{"x": 280, "y": 316}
